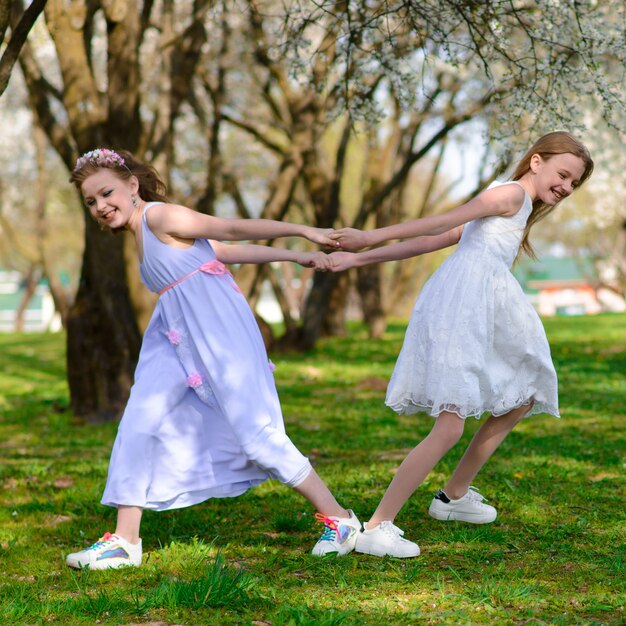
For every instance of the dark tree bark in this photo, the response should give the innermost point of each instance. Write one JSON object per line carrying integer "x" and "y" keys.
{"x": 103, "y": 337}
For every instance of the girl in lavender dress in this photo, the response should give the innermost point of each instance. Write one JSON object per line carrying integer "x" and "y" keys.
{"x": 203, "y": 419}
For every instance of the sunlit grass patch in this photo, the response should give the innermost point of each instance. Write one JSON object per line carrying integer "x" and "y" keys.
{"x": 554, "y": 555}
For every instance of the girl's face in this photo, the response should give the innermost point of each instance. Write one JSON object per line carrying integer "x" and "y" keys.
{"x": 556, "y": 177}
{"x": 109, "y": 198}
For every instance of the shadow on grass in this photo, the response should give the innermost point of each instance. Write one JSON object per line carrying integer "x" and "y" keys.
{"x": 552, "y": 555}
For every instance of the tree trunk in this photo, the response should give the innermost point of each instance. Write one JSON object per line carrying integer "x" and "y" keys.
{"x": 369, "y": 286}
{"x": 334, "y": 323}
{"x": 29, "y": 292}
{"x": 102, "y": 334}
{"x": 317, "y": 308}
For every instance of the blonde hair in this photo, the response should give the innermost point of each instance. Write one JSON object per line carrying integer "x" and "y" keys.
{"x": 559, "y": 142}
{"x": 151, "y": 187}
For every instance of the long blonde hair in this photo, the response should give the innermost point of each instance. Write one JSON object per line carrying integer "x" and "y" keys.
{"x": 559, "y": 142}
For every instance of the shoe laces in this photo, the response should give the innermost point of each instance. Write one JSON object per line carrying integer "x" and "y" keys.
{"x": 103, "y": 541}
{"x": 391, "y": 529}
{"x": 475, "y": 496}
{"x": 331, "y": 527}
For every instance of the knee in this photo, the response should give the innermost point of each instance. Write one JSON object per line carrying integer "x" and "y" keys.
{"x": 523, "y": 410}
{"x": 449, "y": 430}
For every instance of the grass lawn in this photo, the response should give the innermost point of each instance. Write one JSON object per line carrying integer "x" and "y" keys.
{"x": 555, "y": 555}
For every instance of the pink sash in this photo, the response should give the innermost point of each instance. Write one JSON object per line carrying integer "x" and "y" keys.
{"x": 210, "y": 267}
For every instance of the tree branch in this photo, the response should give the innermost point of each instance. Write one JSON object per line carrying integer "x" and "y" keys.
{"x": 20, "y": 30}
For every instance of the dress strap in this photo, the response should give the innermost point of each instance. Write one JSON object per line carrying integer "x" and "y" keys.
{"x": 210, "y": 267}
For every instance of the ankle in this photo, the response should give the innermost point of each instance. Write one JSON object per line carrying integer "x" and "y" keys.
{"x": 132, "y": 538}
{"x": 454, "y": 493}
{"x": 374, "y": 523}
{"x": 336, "y": 512}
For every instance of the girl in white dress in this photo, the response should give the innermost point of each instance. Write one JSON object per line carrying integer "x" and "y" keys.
{"x": 203, "y": 419}
{"x": 474, "y": 343}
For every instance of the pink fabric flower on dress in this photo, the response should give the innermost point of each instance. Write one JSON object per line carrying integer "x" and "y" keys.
{"x": 194, "y": 381}
{"x": 272, "y": 366}
{"x": 173, "y": 336}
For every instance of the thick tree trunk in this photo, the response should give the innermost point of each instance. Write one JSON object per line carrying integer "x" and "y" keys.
{"x": 102, "y": 335}
{"x": 334, "y": 323}
{"x": 369, "y": 286}
{"x": 317, "y": 308}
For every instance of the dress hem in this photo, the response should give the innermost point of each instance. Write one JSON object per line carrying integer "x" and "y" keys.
{"x": 409, "y": 407}
{"x": 190, "y": 498}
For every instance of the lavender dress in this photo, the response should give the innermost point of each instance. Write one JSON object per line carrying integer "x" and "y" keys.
{"x": 203, "y": 419}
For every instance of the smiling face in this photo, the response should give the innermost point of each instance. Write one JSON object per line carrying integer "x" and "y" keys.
{"x": 109, "y": 198}
{"x": 556, "y": 177}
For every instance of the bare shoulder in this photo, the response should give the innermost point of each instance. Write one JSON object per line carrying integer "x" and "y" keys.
{"x": 159, "y": 214}
{"x": 505, "y": 200}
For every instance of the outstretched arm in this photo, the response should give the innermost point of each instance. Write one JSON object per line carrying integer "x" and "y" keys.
{"x": 250, "y": 253}
{"x": 179, "y": 221}
{"x": 403, "y": 250}
{"x": 504, "y": 200}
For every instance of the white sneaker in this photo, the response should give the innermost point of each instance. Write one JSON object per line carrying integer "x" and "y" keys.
{"x": 339, "y": 534}
{"x": 109, "y": 552}
{"x": 386, "y": 540}
{"x": 470, "y": 508}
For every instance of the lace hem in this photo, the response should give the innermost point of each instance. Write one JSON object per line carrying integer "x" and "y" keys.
{"x": 408, "y": 406}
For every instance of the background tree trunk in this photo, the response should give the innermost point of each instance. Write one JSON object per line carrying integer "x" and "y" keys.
{"x": 30, "y": 284}
{"x": 102, "y": 335}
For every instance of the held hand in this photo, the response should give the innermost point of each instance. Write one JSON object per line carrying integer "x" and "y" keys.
{"x": 321, "y": 236}
{"x": 351, "y": 239}
{"x": 340, "y": 261}
{"x": 317, "y": 260}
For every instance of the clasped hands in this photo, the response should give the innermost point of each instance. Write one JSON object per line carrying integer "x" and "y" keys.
{"x": 345, "y": 241}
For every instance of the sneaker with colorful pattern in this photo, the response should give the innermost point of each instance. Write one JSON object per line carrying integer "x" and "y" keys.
{"x": 339, "y": 534}
{"x": 109, "y": 552}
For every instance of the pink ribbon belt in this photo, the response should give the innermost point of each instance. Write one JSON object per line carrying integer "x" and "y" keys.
{"x": 210, "y": 267}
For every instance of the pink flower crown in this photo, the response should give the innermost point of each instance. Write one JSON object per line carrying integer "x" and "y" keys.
{"x": 100, "y": 157}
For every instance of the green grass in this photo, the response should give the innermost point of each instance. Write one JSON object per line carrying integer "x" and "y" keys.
{"x": 554, "y": 556}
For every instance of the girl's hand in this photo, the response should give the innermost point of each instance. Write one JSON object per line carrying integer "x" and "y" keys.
{"x": 350, "y": 238}
{"x": 321, "y": 236}
{"x": 340, "y": 261}
{"x": 317, "y": 260}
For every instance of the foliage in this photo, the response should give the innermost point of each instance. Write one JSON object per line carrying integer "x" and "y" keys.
{"x": 546, "y": 57}
{"x": 329, "y": 113}
{"x": 555, "y": 554}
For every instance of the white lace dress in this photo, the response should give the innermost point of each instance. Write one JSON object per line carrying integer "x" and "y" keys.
{"x": 474, "y": 343}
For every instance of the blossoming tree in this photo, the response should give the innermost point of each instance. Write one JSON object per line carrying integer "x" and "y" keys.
{"x": 315, "y": 88}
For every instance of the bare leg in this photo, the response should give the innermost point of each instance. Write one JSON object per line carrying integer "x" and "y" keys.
{"x": 484, "y": 443}
{"x": 128, "y": 521}
{"x": 312, "y": 488}
{"x": 445, "y": 433}
{"x": 317, "y": 493}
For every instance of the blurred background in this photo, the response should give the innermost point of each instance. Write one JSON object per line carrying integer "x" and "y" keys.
{"x": 326, "y": 113}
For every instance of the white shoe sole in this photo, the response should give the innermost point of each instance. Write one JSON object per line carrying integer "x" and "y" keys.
{"x": 454, "y": 516}
{"x": 338, "y": 552}
{"x": 101, "y": 565}
{"x": 375, "y": 551}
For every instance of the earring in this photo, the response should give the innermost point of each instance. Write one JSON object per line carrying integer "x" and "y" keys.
{"x": 133, "y": 199}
